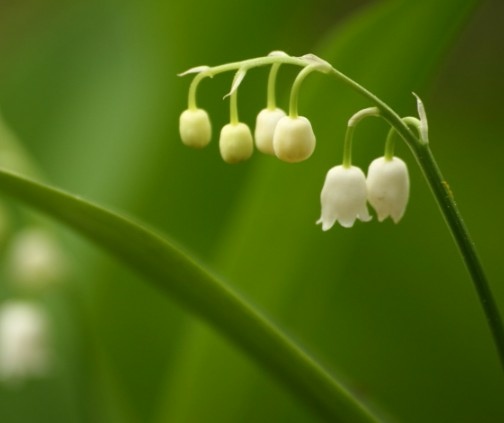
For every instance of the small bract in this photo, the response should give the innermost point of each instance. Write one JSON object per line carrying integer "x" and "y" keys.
{"x": 195, "y": 128}
{"x": 236, "y": 143}
{"x": 388, "y": 187}
{"x": 266, "y": 123}
{"x": 294, "y": 140}
{"x": 343, "y": 197}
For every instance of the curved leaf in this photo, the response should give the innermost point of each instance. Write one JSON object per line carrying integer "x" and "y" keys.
{"x": 183, "y": 279}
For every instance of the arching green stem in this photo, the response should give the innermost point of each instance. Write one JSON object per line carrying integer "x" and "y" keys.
{"x": 352, "y": 123}
{"x": 191, "y": 102}
{"x": 390, "y": 142}
{"x": 294, "y": 96}
{"x": 233, "y": 108}
{"x": 272, "y": 86}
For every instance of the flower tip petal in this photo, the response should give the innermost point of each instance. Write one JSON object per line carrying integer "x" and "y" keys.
{"x": 396, "y": 218}
{"x": 365, "y": 217}
{"x": 325, "y": 224}
{"x": 346, "y": 223}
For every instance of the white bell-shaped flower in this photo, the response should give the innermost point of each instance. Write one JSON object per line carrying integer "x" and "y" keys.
{"x": 343, "y": 197}
{"x": 266, "y": 123}
{"x": 24, "y": 341}
{"x": 294, "y": 140}
{"x": 388, "y": 187}
{"x": 35, "y": 260}
{"x": 195, "y": 128}
{"x": 236, "y": 143}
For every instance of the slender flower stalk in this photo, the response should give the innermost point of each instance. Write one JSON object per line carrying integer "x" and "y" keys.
{"x": 352, "y": 123}
{"x": 268, "y": 117}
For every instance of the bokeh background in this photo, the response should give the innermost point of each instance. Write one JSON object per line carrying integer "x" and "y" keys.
{"x": 90, "y": 89}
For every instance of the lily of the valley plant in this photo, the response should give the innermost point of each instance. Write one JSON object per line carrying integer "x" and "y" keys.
{"x": 347, "y": 190}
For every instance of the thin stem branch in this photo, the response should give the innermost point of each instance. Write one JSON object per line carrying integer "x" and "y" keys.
{"x": 352, "y": 123}
{"x": 272, "y": 86}
{"x": 296, "y": 86}
{"x": 458, "y": 229}
{"x": 233, "y": 108}
{"x": 390, "y": 142}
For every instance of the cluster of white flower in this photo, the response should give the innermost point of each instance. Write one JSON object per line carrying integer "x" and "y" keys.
{"x": 33, "y": 264}
{"x": 346, "y": 192}
{"x": 290, "y": 137}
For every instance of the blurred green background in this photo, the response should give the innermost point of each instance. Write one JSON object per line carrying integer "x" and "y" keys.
{"x": 90, "y": 87}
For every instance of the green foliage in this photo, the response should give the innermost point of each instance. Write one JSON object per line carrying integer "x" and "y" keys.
{"x": 90, "y": 89}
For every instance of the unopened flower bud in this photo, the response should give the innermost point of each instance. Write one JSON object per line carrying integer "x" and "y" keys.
{"x": 24, "y": 342}
{"x": 266, "y": 123}
{"x": 343, "y": 197}
{"x": 195, "y": 128}
{"x": 294, "y": 140}
{"x": 388, "y": 187}
{"x": 236, "y": 143}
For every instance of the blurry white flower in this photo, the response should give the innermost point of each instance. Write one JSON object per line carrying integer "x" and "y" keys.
{"x": 35, "y": 260}
{"x": 235, "y": 142}
{"x": 343, "y": 197}
{"x": 293, "y": 140}
{"x": 195, "y": 128}
{"x": 266, "y": 123}
{"x": 23, "y": 342}
{"x": 388, "y": 187}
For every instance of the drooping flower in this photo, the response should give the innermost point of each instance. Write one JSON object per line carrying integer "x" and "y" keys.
{"x": 388, "y": 187}
{"x": 195, "y": 128}
{"x": 266, "y": 123}
{"x": 23, "y": 341}
{"x": 35, "y": 260}
{"x": 293, "y": 140}
{"x": 236, "y": 143}
{"x": 343, "y": 197}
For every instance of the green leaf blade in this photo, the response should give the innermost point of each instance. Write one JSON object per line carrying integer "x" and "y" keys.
{"x": 181, "y": 278}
